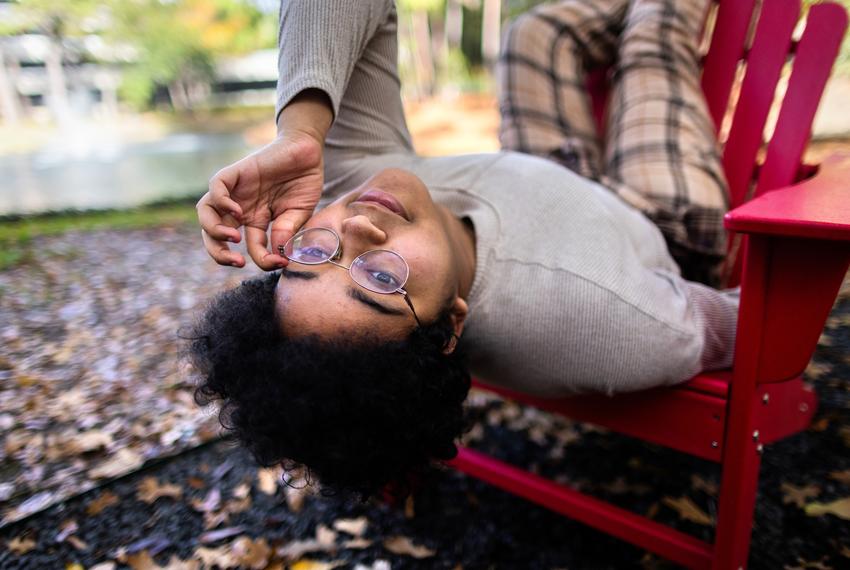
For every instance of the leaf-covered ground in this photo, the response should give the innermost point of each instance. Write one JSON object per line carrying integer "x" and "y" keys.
{"x": 91, "y": 385}
{"x": 96, "y": 315}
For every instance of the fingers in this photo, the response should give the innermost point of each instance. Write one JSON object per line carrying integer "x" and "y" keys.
{"x": 286, "y": 224}
{"x": 219, "y": 192}
{"x": 220, "y": 251}
{"x": 216, "y": 226}
{"x": 257, "y": 240}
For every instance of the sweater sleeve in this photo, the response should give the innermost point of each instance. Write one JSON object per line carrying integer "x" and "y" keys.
{"x": 347, "y": 49}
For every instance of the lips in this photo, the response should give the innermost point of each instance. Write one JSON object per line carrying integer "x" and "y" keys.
{"x": 386, "y": 200}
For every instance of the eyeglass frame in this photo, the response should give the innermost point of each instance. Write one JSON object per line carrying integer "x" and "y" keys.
{"x": 338, "y": 252}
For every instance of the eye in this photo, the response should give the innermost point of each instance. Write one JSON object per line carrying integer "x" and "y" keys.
{"x": 383, "y": 279}
{"x": 312, "y": 253}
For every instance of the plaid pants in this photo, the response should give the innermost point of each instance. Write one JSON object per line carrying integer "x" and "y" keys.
{"x": 658, "y": 152}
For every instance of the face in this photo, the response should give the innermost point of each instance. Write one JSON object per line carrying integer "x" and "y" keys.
{"x": 393, "y": 210}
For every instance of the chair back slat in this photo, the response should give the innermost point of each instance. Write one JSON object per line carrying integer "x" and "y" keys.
{"x": 770, "y": 49}
{"x": 728, "y": 42}
{"x": 816, "y": 52}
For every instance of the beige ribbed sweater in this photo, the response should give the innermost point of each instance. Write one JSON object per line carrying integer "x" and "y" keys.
{"x": 574, "y": 290}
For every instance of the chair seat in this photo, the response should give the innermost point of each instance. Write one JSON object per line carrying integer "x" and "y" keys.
{"x": 689, "y": 417}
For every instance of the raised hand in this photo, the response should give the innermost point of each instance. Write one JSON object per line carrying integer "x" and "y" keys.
{"x": 275, "y": 187}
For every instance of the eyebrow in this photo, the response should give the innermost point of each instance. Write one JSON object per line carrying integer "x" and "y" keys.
{"x": 298, "y": 274}
{"x": 359, "y": 295}
{"x": 355, "y": 293}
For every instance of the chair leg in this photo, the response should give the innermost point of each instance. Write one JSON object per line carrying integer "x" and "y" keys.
{"x": 738, "y": 486}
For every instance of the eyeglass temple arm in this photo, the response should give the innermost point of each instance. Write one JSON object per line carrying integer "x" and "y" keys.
{"x": 409, "y": 304}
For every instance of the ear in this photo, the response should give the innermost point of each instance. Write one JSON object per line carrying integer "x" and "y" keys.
{"x": 457, "y": 315}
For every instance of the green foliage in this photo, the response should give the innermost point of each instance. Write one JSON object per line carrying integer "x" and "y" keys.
{"x": 433, "y": 6}
{"x": 181, "y": 40}
{"x": 137, "y": 87}
{"x": 58, "y": 18}
{"x": 16, "y": 236}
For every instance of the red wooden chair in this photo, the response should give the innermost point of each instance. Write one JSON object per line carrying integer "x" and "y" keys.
{"x": 795, "y": 246}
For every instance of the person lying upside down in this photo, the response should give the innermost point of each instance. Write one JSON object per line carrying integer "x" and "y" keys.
{"x": 566, "y": 263}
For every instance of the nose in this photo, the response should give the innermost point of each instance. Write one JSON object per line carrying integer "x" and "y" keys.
{"x": 361, "y": 231}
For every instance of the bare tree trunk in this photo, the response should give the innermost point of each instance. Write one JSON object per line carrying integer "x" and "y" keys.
{"x": 56, "y": 85}
{"x": 178, "y": 96}
{"x": 454, "y": 23}
{"x": 491, "y": 29}
{"x": 425, "y": 64}
{"x": 9, "y": 108}
{"x": 198, "y": 90}
{"x": 439, "y": 47}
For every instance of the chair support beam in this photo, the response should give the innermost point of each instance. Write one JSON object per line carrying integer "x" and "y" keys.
{"x": 640, "y": 531}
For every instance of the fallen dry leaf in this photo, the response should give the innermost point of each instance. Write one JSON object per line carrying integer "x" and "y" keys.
{"x": 149, "y": 490}
{"x": 252, "y": 554}
{"x": 196, "y": 482}
{"x": 652, "y": 510}
{"x": 267, "y": 479}
{"x": 120, "y": 463}
{"x": 77, "y": 543}
{"x": 241, "y": 491}
{"x": 325, "y": 536}
{"x": 620, "y": 486}
{"x": 817, "y": 369}
{"x": 405, "y": 547}
{"x": 90, "y": 441}
{"x": 212, "y": 502}
{"x": 21, "y": 545}
{"x": 798, "y": 495}
{"x": 354, "y": 527}
{"x": 141, "y": 560}
{"x": 688, "y": 510}
{"x": 219, "y": 556}
{"x": 105, "y": 500}
{"x": 212, "y": 520}
{"x": 357, "y": 544}
{"x": 700, "y": 484}
{"x": 409, "y": 507}
{"x": 841, "y": 476}
{"x": 66, "y": 529}
{"x": 803, "y": 564}
{"x": 325, "y": 541}
{"x": 839, "y": 508}
{"x": 234, "y": 506}
{"x": 298, "y": 548}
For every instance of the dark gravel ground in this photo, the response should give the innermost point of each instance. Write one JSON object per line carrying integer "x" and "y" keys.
{"x": 469, "y": 524}
{"x": 462, "y": 523}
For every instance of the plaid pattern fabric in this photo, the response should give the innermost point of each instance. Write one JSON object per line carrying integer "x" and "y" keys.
{"x": 659, "y": 152}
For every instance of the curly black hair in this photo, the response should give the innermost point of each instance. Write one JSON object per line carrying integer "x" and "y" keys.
{"x": 361, "y": 415}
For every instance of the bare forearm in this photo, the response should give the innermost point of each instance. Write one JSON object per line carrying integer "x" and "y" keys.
{"x": 310, "y": 112}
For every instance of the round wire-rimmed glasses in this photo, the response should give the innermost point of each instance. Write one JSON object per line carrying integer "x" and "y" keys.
{"x": 378, "y": 270}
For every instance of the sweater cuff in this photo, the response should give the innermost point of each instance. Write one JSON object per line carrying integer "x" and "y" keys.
{"x": 287, "y": 92}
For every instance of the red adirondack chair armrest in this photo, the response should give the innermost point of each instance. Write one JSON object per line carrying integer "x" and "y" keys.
{"x": 818, "y": 207}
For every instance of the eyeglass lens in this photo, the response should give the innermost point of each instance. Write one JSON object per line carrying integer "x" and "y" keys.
{"x": 380, "y": 271}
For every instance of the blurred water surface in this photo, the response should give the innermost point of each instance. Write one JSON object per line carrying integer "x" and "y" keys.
{"x": 85, "y": 171}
